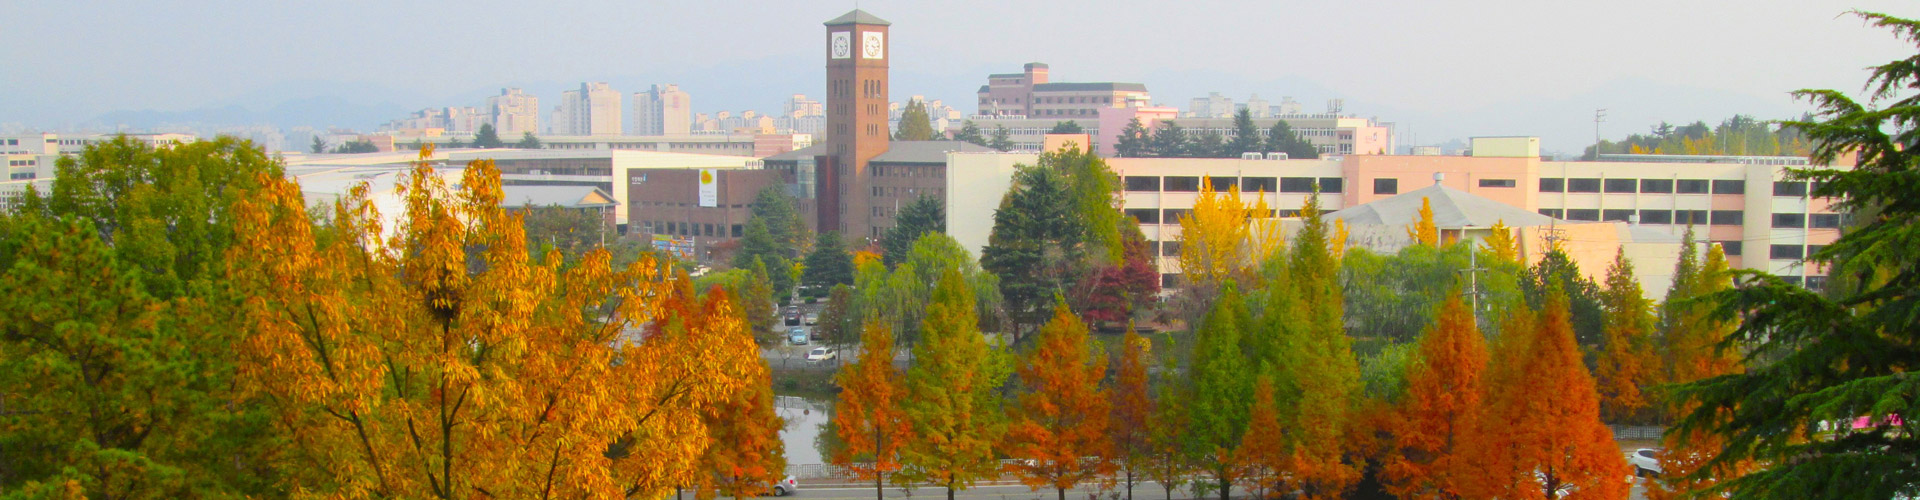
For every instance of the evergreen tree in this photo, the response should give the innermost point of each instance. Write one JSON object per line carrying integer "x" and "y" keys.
{"x": 528, "y": 141}
{"x": 757, "y": 245}
{"x": 1067, "y": 127}
{"x": 829, "y": 265}
{"x": 1134, "y": 142}
{"x": 1170, "y": 141}
{"x": 1210, "y": 145}
{"x": 970, "y": 133}
{"x": 1002, "y": 139}
{"x": 319, "y": 145}
{"x": 1282, "y": 139}
{"x": 1246, "y": 137}
{"x": 486, "y": 138}
{"x": 1034, "y": 232}
{"x": 921, "y": 216}
{"x": 915, "y": 125}
{"x": 1556, "y": 270}
{"x": 776, "y": 208}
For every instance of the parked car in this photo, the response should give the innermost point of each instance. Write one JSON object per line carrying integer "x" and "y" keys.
{"x": 812, "y": 319}
{"x": 797, "y": 336}
{"x": 1645, "y": 461}
{"x": 785, "y": 487}
{"x": 821, "y": 354}
{"x": 814, "y": 333}
{"x": 793, "y": 318}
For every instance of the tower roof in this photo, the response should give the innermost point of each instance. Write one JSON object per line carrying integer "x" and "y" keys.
{"x": 858, "y": 16}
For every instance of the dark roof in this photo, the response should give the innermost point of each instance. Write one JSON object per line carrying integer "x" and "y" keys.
{"x": 983, "y": 89}
{"x": 858, "y": 16}
{"x": 926, "y": 151}
{"x": 1086, "y": 86}
{"x": 798, "y": 154}
{"x": 1007, "y": 75}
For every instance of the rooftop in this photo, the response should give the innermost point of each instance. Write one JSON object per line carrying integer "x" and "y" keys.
{"x": 897, "y": 152}
{"x": 561, "y": 196}
{"x": 1090, "y": 86}
{"x": 858, "y": 16}
{"x": 1452, "y": 209}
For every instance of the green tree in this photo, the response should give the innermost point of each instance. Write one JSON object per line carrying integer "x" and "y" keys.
{"x": 319, "y": 145}
{"x": 1170, "y": 141}
{"x": 758, "y": 245}
{"x": 1134, "y": 141}
{"x": 356, "y": 147}
{"x": 117, "y": 328}
{"x": 1002, "y": 139}
{"x": 776, "y": 207}
{"x": 1218, "y": 390}
{"x": 970, "y": 133}
{"x": 1067, "y": 127}
{"x": 487, "y": 138}
{"x": 914, "y": 123}
{"x": 528, "y": 141}
{"x": 1835, "y": 401}
{"x": 568, "y": 231}
{"x": 1033, "y": 242}
{"x": 756, "y": 301}
{"x": 1282, "y": 139}
{"x": 840, "y": 320}
{"x": 1557, "y": 270}
{"x": 953, "y": 398}
{"x": 829, "y": 265}
{"x": 1318, "y": 360}
{"x": 921, "y": 216}
{"x": 1246, "y": 137}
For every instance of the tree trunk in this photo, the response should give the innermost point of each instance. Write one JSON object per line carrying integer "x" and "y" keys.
{"x": 1129, "y": 483}
{"x": 1226, "y": 489}
{"x": 1063, "y": 493}
{"x": 878, "y": 492}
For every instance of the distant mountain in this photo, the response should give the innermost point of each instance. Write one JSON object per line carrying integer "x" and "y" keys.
{"x": 317, "y": 112}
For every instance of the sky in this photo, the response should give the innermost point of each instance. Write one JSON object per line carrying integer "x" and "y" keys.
{"x": 1438, "y": 70}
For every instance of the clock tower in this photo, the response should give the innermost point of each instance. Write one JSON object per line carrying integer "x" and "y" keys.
{"x": 857, "y": 131}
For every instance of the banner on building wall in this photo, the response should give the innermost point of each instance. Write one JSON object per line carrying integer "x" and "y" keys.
{"x": 709, "y": 188}
{"x": 679, "y": 247}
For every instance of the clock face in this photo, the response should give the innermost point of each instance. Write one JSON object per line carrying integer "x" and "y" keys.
{"x": 842, "y": 44}
{"x": 871, "y": 45}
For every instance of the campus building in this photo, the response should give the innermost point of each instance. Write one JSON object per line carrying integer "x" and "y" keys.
{"x": 1031, "y": 94}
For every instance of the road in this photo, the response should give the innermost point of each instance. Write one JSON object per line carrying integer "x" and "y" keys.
{"x": 1001, "y": 491}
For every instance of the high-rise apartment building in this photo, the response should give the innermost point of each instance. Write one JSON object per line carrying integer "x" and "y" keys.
{"x": 1213, "y": 105}
{"x": 662, "y": 110}
{"x": 513, "y": 113}
{"x": 592, "y": 110}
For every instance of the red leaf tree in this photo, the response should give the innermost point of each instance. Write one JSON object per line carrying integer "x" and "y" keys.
{"x": 1443, "y": 394}
{"x": 1059, "y": 427}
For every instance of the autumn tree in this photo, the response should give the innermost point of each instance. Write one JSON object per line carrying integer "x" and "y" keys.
{"x": 745, "y": 455}
{"x": 951, "y": 398}
{"x": 1166, "y": 461}
{"x": 1129, "y": 426}
{"x": 1423, "y": 231}
{"x": 868, "y": 417}
{"x": 1627, "y": 361}
{"x": 1500, "y": 242}
{"x": 1060, "y": 417}
{"x": 1687, "y": 460}
{"x": 1539, "y": 433}
{"x": 1318, "y": 361}
{"x": 1223, "y": 236}
{"x": 1443, "y": 388}
{"x": 1263, "y": 453}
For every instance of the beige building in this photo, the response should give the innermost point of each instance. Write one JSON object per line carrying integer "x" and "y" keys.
{"x": 513, "y": 113}
{"x": 594, "y": 109}
{"x": 663, "y": 110}
{"x": 1032, "y": 95}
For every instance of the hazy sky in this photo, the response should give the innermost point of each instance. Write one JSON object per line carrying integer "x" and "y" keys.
{"x": 1440, "y": 69}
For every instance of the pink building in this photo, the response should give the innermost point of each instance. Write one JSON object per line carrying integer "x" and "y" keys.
{"x": 1113, "y": 121}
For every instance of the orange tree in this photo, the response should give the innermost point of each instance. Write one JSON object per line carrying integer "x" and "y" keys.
{"x": 436, "y": 360}
{"x": 1058, "y": 434}
{"x": 1442, "y": 396}
{"x": 1263, "y": 449}
{"x": 1627, "y": 361}
{"x": 1130, "y": 424}
{"x": 1539, "y": 433}
{"x": 868, "y": 417}
{"x": 746, "y": 455}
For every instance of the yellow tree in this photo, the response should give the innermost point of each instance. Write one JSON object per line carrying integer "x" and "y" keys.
{"x": 1223, "y": 235}
{"x": 436, "y": 360}
{"x": 1423, "y": 231}
{"x": 868, "y": 417}
{"x": 1060, "y": 421}
{"x": 1443, "y": 395}
{"x": 1501, "y": 242}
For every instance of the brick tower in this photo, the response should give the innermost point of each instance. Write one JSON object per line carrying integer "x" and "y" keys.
{"x": 857, "y": 131}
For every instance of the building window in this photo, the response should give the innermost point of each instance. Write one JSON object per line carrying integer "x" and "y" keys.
{"x": 1731, "y": 248}
{"x": 1173, "y": 215}
{"x": 1183, "y": 184}
{"x": 1814, "y": 250}
{"x": 1498, "y": 183}
{"x": 735, "y": 230}
{"x": 1143, "y": 183}
{"x": 1584, "y": 214}
{"x": 1257, "y": 184}
{"x": 1616, "y": 215}
{"x": 1386, "y": 186}
{"x": 1785, "y": 252}
{"x": 1169, "y": 280}
{"x": 1726, "y": 186}
{"x": 1553, "y": 185}
{"x": 1817, "y": 283}
{"x": 1552, "y": 212}
{"x": 1790, "y": 220}
{"x": 1789, "y": 188}
{"x": 1657, "y": 216}
{"x": 1170, "y": 248}
{"x": 1690, "y": 217}
{"x": 1332, "y": 184}
{"x": 1824, "y": 221}
{"x": 1223, "y": 184}
{"x": 1621, "y": 185}
{"x": 1656, "y": 185}
{"x": 1729, "y": 218}
{"x": 1691, "y": 186}
{"x": 1296, "y": 184}
{"x": 1586, "y": 185}
{"x": 1144, "y": 215}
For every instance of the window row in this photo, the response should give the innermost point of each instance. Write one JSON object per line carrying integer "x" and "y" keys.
{"x": 1188, "y": 184}
{"x": 1792, "y": 252}
{"x": 1657, "y": 186}
{"x": 1816, "y": 221}
{"x": 691, "y": 229}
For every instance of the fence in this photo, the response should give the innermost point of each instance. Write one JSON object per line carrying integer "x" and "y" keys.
{"x": 1623, "y": 432}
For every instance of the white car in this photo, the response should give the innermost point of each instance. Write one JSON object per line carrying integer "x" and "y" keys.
{"x": 785, "y": 487}
{"x": 821, "y": 354}
{"x": 1645, "y": 461}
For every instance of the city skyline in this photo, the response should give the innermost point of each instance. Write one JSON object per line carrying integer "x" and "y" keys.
{"x": 1536, "y": 70}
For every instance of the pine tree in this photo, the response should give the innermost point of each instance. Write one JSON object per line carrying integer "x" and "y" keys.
{"x": 827, "y": 266}
{"x": 1210, "y": 145}
{"x": 1134, "y": 141}
{"x": 921, "y": 216}
{"x": 1002, "y": 139}
{"x": 970, "y": 133}
{"x": 1627, "y": 361}
{"x": 528, "y": 141}
{"x": 1067, "y": 127}
{"x": 915, "y": 125}
{"x": 1170, "y": 141}
{"x": 952, "y": 398}
{"x": 486, "y": 138}
{"x": 1282, "y": 139}
{"x": 319, "y": 145}
{"x": 1246, "y": 137}
{"x": 1061, "y": 416}
{"x": 868, "y": 416}
{"x": 1442, "y": 397}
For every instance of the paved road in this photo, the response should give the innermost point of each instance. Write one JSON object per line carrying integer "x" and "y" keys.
{"x": 1143, "y": 491}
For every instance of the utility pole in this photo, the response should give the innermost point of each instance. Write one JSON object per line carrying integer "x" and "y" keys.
{"x": 1599, "y": 115}
{"x": 1473, "y": 271}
